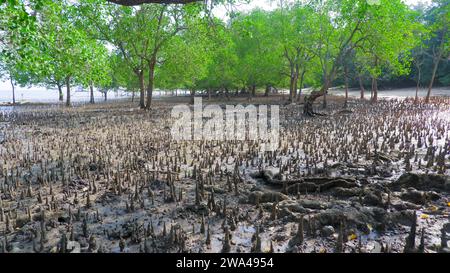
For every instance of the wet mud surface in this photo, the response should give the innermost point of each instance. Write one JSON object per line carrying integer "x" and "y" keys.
{"x": 109, "y": 178}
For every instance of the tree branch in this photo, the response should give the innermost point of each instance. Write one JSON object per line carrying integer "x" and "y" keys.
{"x": 140, "y": 2}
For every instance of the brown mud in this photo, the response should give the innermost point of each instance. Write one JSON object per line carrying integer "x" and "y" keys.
{"x": 108, "y": 178}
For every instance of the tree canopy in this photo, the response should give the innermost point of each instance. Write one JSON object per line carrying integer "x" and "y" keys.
{"x": 140, "y": 46}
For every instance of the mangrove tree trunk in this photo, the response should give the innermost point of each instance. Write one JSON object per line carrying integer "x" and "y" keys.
{"x": 68, "y": 92}
{"x": 91, "y": 87}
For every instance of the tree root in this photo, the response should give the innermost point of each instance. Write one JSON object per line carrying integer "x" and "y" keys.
{"x": 313, "y": 114}
{"x": 318, "y": 186}
{"x": 308, "y": 184}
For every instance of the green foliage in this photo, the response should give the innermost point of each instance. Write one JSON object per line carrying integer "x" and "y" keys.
{"x": 185, "y": 59}
{"x": 221, "y": 71}
{"x": 437, "y": 43}
{"x": 258, "y": 54}
{"x": 391, "y": 33}
{"x": 18, "y": 39}
{"x": 94, "y": 42}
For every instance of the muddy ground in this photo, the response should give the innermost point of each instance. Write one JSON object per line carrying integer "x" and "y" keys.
{"x": 109, "y": 178}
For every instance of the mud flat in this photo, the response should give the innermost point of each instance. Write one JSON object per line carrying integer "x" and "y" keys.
{"x": 109, "y": 178}
{"x": 401, "y": 93}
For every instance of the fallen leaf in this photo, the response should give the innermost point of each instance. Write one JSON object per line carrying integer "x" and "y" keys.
{"x": 424, "y": 216}
{"x": 352, "y": 237}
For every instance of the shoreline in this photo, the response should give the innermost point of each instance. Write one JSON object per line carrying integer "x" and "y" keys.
{"x": 393, "y": 93}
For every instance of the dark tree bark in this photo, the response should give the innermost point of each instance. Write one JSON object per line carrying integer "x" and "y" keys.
{"x": 61, "y": 95}
{"x": 361, "y": 87}
{"x": 251, "y": 92}
{"x": 329, "y": 77}
{"x": 292, "y": 83}
{"x": 371, "y": 92}
{"x": 295, "y": 87}
{"x": 13, "y": 90}
{"x": 296, "y": 76}
{"x": 151, "y": 80}
{"x": 433, "y": 77}
{"x": 243, "y": 90}
{"x": 142, "y": 89}
{"x": 325, "y": 102}
{"x": 375, "y": 84}
{"x": 437, "y": 59}
{"x": 266, "y": 94}
{"x": 374, "y": 89}
{"x": 68, "y": 92}
{"x": 291, "y": 89}
{"x": 419, "y": 75}
{"x": 346, "y": 85}
{"x": 309, "y": 100}
{"x": 227, "y": 93}
{"x": 91, "y": 88}
{"x": 302, "y": 78}
{"x": 192, "y": 96}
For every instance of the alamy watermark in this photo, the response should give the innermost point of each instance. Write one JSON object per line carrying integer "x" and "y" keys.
{"x": 234, "y": 123}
